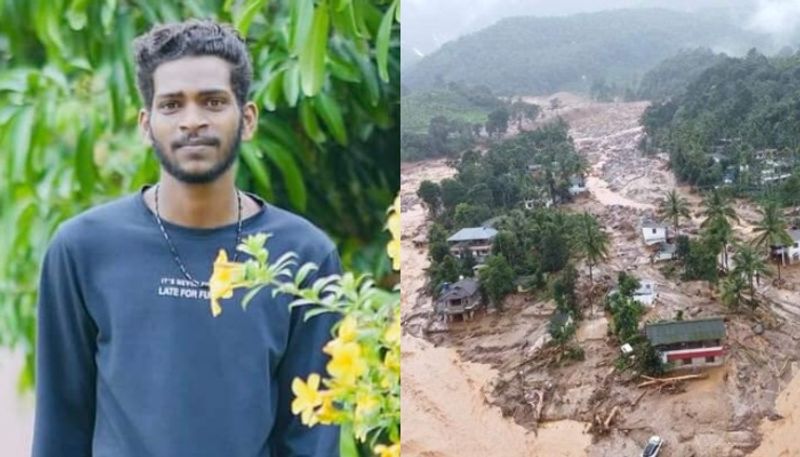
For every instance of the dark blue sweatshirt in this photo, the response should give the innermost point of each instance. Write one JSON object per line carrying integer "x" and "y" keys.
{"x": 131, "y": 363}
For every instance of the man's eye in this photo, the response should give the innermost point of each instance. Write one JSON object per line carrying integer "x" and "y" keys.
{"x": 215, "y": 102}
{"x": 169, "y": 105}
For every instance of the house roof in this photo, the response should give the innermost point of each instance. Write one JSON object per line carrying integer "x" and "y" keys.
{"x": 649, "y": 223}
{"x": 461, "y": 289}
{"x": 668, "y": 248}
{"x": 685, "y": 331}
{"x": 473, "y": 234}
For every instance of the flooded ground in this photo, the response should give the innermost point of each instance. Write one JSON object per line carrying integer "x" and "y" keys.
{"x": 726, "y": 414}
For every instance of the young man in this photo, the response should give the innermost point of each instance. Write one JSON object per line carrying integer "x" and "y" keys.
{"x": 131, "y": 361}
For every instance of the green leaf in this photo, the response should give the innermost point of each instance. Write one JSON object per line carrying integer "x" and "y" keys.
{"x": 291, "y": 84}
{"x": 76, "y": 14}
{"x": 312, "y": 59}
{"x": 251, "y": 294}
{"x": 258, "y": 170}
{"x": 273, "y": 91}
{"x": 382, "y": 41}
{"x": 84, "y": 162}
{"x": 26, "y": 378}
{"x": 243, "y": 21}
{"x": 20, "y": 142}
{"x": 292, "y": 177}
{"x": 347, "y": 441}
{"x": 328, "y": 110}
{"x": 302, "y": 14}
{"x": 309, "y": 120}
{"x": 342, "y": 4}
{"x": 342, "y": 69}
{"x": 107, "y": 14}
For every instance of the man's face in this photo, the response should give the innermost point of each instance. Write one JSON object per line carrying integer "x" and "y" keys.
{"x": 195, "y": 124}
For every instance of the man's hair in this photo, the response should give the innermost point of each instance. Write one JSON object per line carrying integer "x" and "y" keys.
{"x": 192, "y": 38}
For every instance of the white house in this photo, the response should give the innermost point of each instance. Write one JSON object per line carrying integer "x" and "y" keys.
{"x": 654, "y": 232}
{"x": 666, "y": 251}
{"x": 646, "y": 294}
{"x": 577, "y": 185}
{"x": 688, "y": 344}
{"x": 533, "y": 203}
{"x": 791, "y": 253}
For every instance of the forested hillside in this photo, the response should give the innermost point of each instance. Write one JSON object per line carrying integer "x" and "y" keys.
{"x": 737, "y": 123}
{"x": 672, "y": 75}
{"x": 542, "y": 55}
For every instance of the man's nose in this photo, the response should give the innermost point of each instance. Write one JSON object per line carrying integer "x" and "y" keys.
{"x": 193, "y": 120}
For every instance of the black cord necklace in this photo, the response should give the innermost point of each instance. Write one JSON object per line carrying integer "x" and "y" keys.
{"x": 174, "y": 251}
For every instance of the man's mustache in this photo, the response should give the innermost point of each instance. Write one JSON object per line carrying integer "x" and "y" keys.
{"x": 197, "y": 141}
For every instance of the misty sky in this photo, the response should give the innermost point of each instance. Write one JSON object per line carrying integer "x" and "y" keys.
{"x": 427, "y": 24}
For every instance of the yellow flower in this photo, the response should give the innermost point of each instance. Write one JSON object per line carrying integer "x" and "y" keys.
{"x": 392, "y": 361}
{"x": 393, "y": 224}
{"x": 224, "y": 279}
{"x": 366, "y": 404}
{"x": 393, "y": 250}
{"x": 327, "y": 413}
{"x": 392, "y": 334}
{"x": 307, "y": 397}
{"x": 346, "y": 363}
{"x": 387, "y": 451}
{"x": 348, "y": 329}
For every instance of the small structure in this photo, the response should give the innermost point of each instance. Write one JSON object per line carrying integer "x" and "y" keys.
{"x": 686, "y": 344}
{"x": 577, "y": 185}
{"x": 654, "y": 232}
{"x": 646, "y": 293}
{"x": 459, "y": 299}
{"x": 561, "y": 323}
{"x": 533, "y": 203}
{"x": 478, "y": 240}
{"x": 666, "y": 251}
{"x": 791, "y": 253}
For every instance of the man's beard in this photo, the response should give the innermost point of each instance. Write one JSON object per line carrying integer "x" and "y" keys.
{"x": 173, "y": 168}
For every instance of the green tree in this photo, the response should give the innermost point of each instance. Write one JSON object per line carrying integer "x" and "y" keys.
{"x": 453, "y": 193}
{"x": 327, "y": 82}
{"x": 497, "y": 122}
{"x": 749, "y": 264}
{"x": 497, "y": 279}
{"x": 431, "y": 194}
{"x": 771, "y": 230}
{"x": 674, "y": 207}
{"x": 592, "y": 241}
{"x": 625, "y": 312}
{"x": 564, "y": 292}
{"x": 732, "y": 291}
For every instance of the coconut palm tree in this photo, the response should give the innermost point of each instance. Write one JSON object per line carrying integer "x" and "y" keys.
{"x": 749, "y": 264}
{"x": 771, "y": 230}
{"x": 717, "y": 206}
{"x": 732, "y": 289}
{"x": 592, "y": 241}
{"x": 674, "y": 207}
{"x": 719, "y": 216}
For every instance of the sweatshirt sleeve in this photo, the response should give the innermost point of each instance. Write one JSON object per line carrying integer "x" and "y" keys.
{"x": 303, "y": 356}
{"x": 65, "y": 363}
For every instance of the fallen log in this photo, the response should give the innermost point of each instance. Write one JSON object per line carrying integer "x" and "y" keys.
{"x": 610, "y": 417}
{"x": 664, "y": 381}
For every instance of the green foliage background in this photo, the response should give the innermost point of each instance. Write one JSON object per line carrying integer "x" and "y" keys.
{"x": 326, "y": 76}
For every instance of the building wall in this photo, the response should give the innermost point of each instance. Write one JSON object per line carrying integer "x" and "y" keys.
{"x": 656, "y": 235}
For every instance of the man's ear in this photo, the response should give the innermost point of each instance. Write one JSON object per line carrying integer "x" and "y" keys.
{"x": 144, "y": 126}
{"x": 249, "y": 120}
